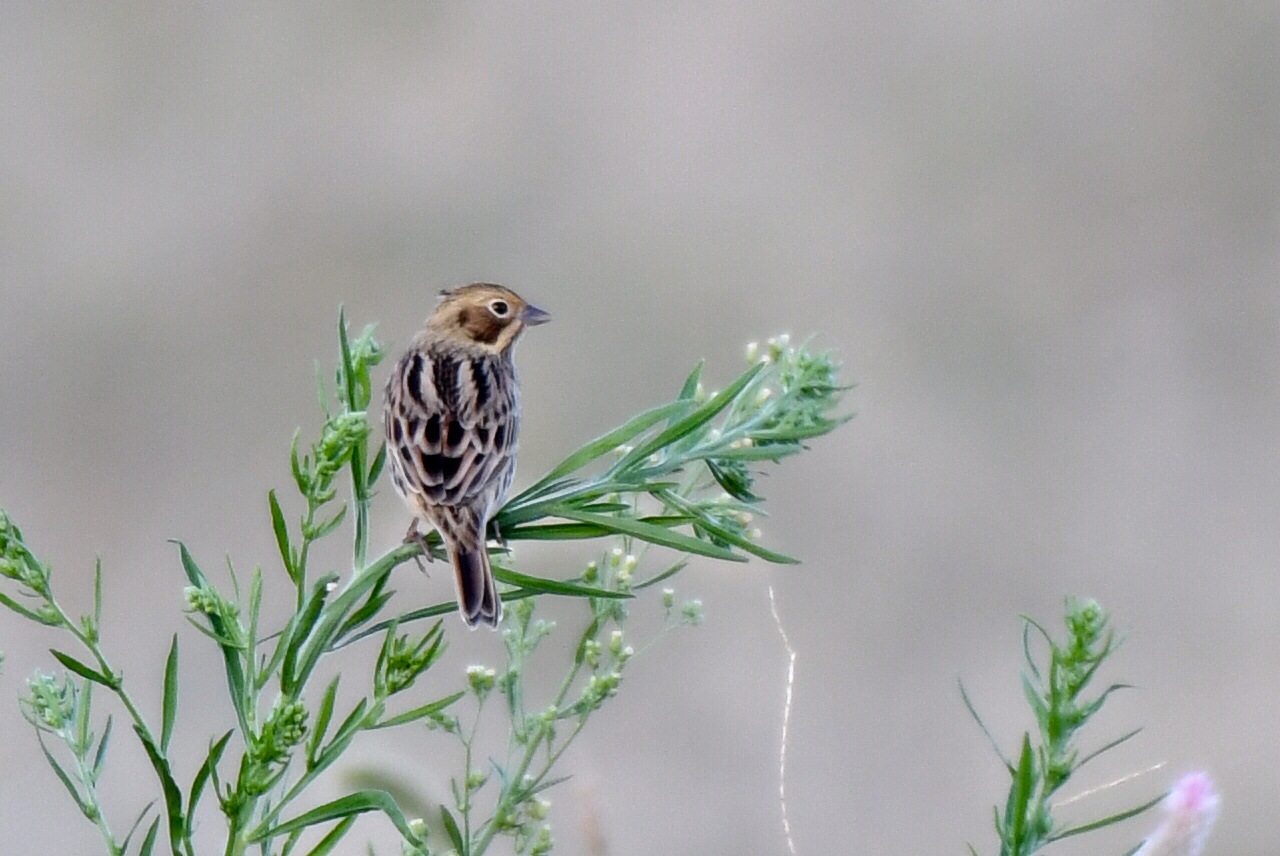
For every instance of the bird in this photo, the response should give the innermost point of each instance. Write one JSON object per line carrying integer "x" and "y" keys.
{"x": 451, "y": 412}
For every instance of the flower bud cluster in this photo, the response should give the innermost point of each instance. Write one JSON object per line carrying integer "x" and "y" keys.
{"x": 50, "y": 704}
{"x": 285, "y": 728}
{"x": 481, "y": 679}
{"x": 223, "y": 614}
{"x": 606, "y": 671}
{"x": 366, "y": 353}
{"x": 626, "y": 568}
{"x": 18, "y": 563}
{"x": 534, "y": 842}
{"x": 315, "y": 473}
{"x": 404, "y": 659}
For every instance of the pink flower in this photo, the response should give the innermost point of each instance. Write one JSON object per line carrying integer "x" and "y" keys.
{"x": 1190, "y": 810}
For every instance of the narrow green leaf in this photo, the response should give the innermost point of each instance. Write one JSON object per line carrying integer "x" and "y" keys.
{"x": 774, "y": 452}
{"x": 291, "y": 677}
{"x": 570, "y": 492}
{"x": 978, "y": 719}
{"x": 282, "y": 534}
{"x": 549, "y": 783}
{"x": 379, "y": 460}
{"x": 659, "y": 535}
{"x": 348, "y": 371}
{"x": 97, "y": 595}
{"x": 230, "y": 654}
{"x": 295, "y": 465}
{"x": 207, "y": 769}
{"x": 1107, "y": 821}
{"x": 1107, "y": 747}
{"x": 659, "y": 577}
{"x": 100, "y": 757}
{"x": 602, "y": 445}
{"x": 169, "y": 711}
{"x": 87, "y": 672}
{"x": 63, "y": 777}
{"x": 455, "y": 834}
{"x": 1036, "y": 703}
{"x": 797, "y": 433}
{"x": 1026, "y": 650}
{"x": 737, "y": 539}
{"x": 194, "y": 574}
{"x": 24, "y": 612}
{"x": 556, "y": 532}
{"x": 418, "y": 712}
{"x": 325, "y": 636}
{"x": 149, "y": 841}
{"x": 289, "y": 843}
{"x": 344, "y": 807}
{"x": 1098, "y": 702}
{"x": 686, "y": 425}
{"x": 346, "y": 731}
{"x": 255, "y": 612}
{"x": 1023, "y": 784}
{"x": 433, "y": 611}
{"x": 330, "y": 841}
{"x": 323, "y": 715}
{"x": 329, "y": 525}
{"x": 137, "y": 824}
{"x": 690, "y": 388}
{"x": 223, "y": 641}
{"x": 371, "y": 607}
{"x": 541, "y": 584}
{"x": 1027, "y": 619}
{"x": 82, "y": 733}
{"x": 172, "y": 795}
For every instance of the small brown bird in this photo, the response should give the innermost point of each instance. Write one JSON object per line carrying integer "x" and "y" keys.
{"x": 452, "y": 417}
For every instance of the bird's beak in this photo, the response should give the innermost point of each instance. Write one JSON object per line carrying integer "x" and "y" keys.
{"x": 533, "y": 316}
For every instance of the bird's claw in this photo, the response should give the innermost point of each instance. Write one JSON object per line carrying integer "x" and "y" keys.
{"x": 495, "y": 533}
{"x": 415, "y": 536}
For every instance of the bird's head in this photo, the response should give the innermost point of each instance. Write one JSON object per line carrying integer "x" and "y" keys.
{"x": 483, "y": 316}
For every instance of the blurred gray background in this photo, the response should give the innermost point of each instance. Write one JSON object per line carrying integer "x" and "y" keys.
{"x": 1042, "y": 237}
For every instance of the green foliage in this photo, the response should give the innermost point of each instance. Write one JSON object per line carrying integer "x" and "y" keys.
{"x": 679, "y": 476}
{"x": 1058, "y": 700}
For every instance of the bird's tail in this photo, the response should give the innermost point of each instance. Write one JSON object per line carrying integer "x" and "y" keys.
{"x": 478, "y": 600}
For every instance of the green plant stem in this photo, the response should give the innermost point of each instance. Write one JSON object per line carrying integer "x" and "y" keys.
{"x": 117, "y": 688}
{"x": 465, "y": 808}
{"x": 514, "y": 782}
{"x": 91, "y": 797}
{"x": 300, "y": 572}
{"x": 360, "y": 498}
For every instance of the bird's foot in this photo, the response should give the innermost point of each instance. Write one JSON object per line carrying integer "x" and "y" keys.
{"x": 495, "y": 534}
{"x": 415, "y": 536}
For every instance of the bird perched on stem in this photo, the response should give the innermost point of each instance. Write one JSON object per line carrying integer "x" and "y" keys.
{"x": 452, "y": 418}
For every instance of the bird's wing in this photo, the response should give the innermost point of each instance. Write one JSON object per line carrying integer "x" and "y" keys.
{"x": 451, "y": 423}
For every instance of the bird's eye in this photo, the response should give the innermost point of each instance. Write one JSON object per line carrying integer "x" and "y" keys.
{"x": 499, "y": 308}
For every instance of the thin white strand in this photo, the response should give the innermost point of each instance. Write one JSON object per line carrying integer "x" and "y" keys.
{"x": 786, "y": 723}
{"x": 1119, "y": 781}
